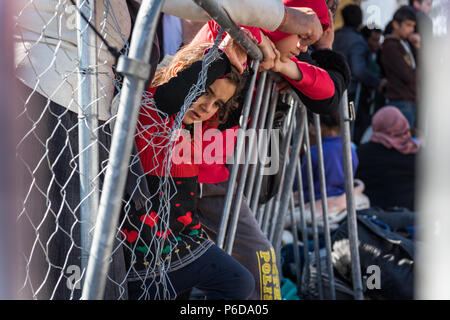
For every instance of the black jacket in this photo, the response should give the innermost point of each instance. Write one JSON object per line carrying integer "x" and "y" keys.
{"x": 336, "y": 66}
{"x": 389, "y": 176}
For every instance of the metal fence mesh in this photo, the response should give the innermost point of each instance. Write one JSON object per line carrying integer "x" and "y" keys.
{"x": 48, "y": 67}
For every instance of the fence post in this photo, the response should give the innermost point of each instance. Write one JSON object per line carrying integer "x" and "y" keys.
{"x": 87, "y": 124}
{"x": 136, "y": 70}
{"x": 349, "y": 192}
{"x": 432, "y": 275}
{"x": 8, "y": 202}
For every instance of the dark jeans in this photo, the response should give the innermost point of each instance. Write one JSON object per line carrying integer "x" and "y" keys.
{"x": 216, "y": 273}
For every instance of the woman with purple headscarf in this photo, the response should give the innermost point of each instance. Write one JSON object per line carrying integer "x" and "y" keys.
{"x": 387, "y": 163}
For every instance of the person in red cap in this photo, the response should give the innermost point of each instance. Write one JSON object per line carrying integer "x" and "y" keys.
{"x": 319, "y": 89}
{"x": 280, "y": 50}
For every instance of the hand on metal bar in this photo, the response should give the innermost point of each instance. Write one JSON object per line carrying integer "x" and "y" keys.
{"x": 235, "y": 53}
{"x": 304, "y": 22}
{"x": 217, "y": 13}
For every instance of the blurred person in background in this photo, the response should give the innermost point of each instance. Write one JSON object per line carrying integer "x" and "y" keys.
{"x": 350, "y": 42}
{"x": 370, "y": 99}
{"x": 387, "y": 163}
{"x": 424, "y": 26}
{"x": 399, "y": 62}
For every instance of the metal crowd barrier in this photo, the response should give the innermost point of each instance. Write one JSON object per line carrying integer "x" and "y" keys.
{"x": 99, "y": 228}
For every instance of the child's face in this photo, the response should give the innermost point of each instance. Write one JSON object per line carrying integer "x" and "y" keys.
{"x": 290, "y": 47}
{"x": 207, "y": 104}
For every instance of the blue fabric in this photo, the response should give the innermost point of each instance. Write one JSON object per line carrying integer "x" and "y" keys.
{"x": 380, "y": 224}
{"x": 333, "y": 165}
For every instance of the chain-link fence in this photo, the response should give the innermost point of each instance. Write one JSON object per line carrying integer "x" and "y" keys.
{"x": 80, "y": 186}
{"x": 67, "y": 81}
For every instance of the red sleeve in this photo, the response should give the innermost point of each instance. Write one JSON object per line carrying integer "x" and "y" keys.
{"x": 315, "y": 83}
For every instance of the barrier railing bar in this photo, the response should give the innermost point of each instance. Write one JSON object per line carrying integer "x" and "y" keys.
{"x": 323, "y": 193}
{"x": 275, "y": 211}
{"x": 351, "y": 207}
{"x": 122, "y": 140}
{"x": 10, "y": 233}
{"x": 303, "y": 226}
{"x": 222, "y": 18}
{"x": 272, "y": 96}
{"x": 261, "y": 141}
{"x": 312, "y": 202}
{"x": 289, "y": 180}
{"x": 238, "y": 153}
{"x": 295, "y": 245}
{"x": 266, "y": 216}
{"x": 249, "y": 148}
{"x": 87, "y": 123}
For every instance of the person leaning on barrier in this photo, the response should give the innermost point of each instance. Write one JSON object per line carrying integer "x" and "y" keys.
{"x": 251, "y": 246}
{"x": 187, "y": 256}
{"x": 321, "y": 54}
{"x": 312, "y": 82}
{"x": 272, "y": 15}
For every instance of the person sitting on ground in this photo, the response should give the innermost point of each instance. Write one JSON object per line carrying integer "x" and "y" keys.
{"x": 387, "y": 163}
{"x": 333, "y": 161}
